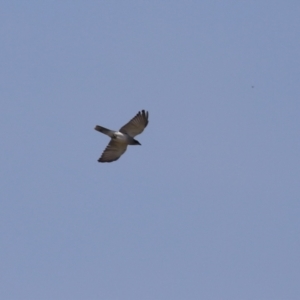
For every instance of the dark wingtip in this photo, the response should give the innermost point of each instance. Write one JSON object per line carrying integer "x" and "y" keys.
{"x": 100, "y": 160}
{"x": 145, "y": 114}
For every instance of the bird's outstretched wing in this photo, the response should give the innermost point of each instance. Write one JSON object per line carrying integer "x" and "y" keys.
{"x": 137, "y": 124}
{"x": 113, "y": 151}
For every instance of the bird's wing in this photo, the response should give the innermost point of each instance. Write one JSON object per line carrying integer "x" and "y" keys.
{"x": 113, "y": 151}
{"x": 136, "y": 125}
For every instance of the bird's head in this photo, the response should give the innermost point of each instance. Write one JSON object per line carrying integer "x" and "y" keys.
{"x": 136, "y": 142}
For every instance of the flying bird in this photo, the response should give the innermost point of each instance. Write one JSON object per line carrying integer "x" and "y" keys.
{"x": 124, "y": 137}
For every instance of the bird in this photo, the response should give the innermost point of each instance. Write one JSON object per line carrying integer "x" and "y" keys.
{"x": 124, "y": 137}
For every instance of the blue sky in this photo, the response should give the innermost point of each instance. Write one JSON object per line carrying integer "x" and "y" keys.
{"x": 207, "y": 207}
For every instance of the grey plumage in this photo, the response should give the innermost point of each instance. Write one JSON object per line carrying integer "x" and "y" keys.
{"x": 124, "y": 137}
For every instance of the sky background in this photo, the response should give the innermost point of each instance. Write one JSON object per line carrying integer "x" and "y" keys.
{"x": 207, "y": 207}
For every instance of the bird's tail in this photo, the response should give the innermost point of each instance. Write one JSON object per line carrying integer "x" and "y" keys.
{"x": 104, "y": 130}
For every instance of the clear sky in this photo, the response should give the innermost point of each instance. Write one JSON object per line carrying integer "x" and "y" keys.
{"x": 207, "y": 207}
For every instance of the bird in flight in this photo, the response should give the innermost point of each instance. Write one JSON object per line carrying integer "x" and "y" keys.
{"x": 125, "y": 136}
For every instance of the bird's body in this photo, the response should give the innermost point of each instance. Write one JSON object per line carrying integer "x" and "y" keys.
{"x": 125, "y": 136}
